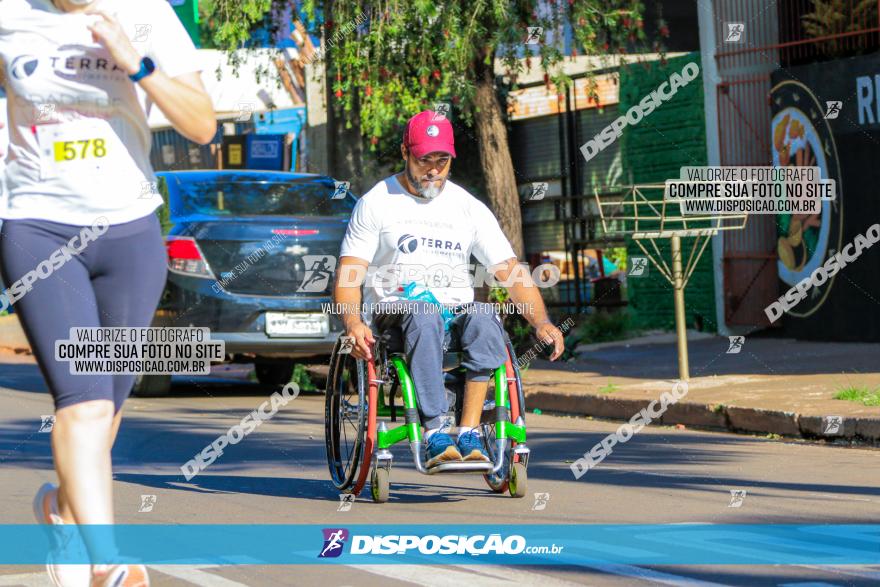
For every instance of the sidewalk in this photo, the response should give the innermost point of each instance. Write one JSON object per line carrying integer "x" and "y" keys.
{"x": 772, "y": 386}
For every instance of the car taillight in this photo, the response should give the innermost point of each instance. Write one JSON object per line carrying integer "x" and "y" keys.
{"x": 185, "y": 257}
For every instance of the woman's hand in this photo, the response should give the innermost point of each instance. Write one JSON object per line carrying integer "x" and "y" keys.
{"x": 110, "y": 34}
{"x": 182, "y": 99}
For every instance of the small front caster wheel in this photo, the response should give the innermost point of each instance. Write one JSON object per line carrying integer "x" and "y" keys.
{"x": 381, "y": 484}
{"x": 519, "y": 480}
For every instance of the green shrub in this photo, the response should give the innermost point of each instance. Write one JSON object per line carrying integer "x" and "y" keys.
{"x": 605, "y": 327}
{"x": 860, "y": 394}
{"x": 302, "y": 378}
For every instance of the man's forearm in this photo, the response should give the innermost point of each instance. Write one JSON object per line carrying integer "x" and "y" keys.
{"x": 347, "y": 301}
{"x": 528, "y": 297}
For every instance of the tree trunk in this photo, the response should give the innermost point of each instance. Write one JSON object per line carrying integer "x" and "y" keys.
{"x": 344, "y": 146}
{"x": 495, "y": 157}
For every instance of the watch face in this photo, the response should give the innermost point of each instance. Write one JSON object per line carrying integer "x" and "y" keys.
{"x": 149, "y": 65}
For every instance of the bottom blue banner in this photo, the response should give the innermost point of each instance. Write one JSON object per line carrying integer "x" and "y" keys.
{"x": 697, "y": 544}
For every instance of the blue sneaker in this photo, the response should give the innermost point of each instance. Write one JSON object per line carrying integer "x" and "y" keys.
{"x": 470, "y": 445}
{"x": 441, "y": 449}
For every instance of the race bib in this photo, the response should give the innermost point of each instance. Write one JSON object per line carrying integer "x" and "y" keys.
{"x": 76, "y": 147}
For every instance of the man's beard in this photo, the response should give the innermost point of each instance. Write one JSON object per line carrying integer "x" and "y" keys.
{"x": 430, "y": 192}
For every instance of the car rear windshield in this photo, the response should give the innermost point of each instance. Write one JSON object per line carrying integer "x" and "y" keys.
{"x": 236, "y": 197}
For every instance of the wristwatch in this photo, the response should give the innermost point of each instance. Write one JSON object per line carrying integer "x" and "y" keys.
{"x": 147, "y": 67}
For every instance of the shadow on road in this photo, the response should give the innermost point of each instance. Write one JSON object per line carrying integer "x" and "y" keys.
{"x": 658, "y": 458}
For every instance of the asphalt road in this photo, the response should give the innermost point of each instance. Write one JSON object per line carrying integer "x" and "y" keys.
{"x": 278, "y": 475}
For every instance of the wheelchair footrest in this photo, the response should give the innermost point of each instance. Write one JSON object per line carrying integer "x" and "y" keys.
{"x": 461, "y": 467}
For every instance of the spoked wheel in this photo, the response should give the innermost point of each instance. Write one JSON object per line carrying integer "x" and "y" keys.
{"x": 345, "y": 420}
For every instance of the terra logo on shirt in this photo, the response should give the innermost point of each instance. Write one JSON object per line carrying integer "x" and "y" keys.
{"x": 409, "y": 243}
{"x": 23, "y": 66}
{"x": 91, "y": 65}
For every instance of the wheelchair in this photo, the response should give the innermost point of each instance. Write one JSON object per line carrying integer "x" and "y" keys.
{"x": 360, "y": 392}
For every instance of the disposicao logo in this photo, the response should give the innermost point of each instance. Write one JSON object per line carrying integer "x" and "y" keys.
{"x": 334, "y": 542}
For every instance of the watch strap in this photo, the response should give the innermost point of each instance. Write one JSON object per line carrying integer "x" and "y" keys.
{"x": 147, "y": 67}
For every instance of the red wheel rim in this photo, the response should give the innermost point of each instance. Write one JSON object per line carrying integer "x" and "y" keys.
{"x": 370, "y": 441}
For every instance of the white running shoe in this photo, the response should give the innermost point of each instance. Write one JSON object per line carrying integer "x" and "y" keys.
{"x": 46, "y": 512}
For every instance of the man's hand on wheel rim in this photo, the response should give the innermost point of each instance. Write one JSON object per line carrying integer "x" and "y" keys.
{"x": 549, "y": 334}
{"x": 363, "y": 339}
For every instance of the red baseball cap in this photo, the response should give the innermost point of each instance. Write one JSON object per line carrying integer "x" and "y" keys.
{"x": 429, "y": 131}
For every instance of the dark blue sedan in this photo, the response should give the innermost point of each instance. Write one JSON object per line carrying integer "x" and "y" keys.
{"x": 251, "y": 256}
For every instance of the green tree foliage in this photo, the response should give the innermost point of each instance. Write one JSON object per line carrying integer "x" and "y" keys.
{"x": 411, "y": 54}
{"x": 389, "y": 59}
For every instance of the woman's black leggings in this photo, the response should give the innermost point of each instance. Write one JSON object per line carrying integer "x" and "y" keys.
{"x": 116, "y": 280}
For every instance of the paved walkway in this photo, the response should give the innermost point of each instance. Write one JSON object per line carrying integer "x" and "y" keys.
{"x": 772, "y": 385}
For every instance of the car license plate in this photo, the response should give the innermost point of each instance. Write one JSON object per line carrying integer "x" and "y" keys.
{"x": 296, "y": 324}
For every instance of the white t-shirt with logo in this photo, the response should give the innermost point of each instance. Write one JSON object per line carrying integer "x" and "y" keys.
{"x": 408, "y": 238}
{"x": 79, "y": 143}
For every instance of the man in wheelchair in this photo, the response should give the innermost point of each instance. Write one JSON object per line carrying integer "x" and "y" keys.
{"x": 418, "y": 219}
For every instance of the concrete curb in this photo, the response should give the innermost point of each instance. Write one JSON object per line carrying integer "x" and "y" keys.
{"x": 694, "y": 415}
{"x": 650, "y": 337}
{"x": 713, "y": 417}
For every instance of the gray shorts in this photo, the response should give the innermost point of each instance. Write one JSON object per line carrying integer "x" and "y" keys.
{"x": 476, "y": 331}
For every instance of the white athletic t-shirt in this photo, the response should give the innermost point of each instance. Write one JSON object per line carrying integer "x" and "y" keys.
{"x": 408, "y": 238}
{"x": 79, "y": 143}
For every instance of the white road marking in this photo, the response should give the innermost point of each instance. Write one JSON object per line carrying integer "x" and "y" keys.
{"x": 191, "y": 574}
{"x": 428, "y": 576}
{"x": 518, "y": 575}
{"x": 651, "y": 575}
{"x": 862, "y": 571}
{"x": 491, "y": 575}
{"x": 195, "y": 575}
{"x": 26, "y": 580}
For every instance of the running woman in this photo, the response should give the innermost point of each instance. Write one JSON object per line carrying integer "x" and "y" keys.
{"x": 81, "y": 77}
